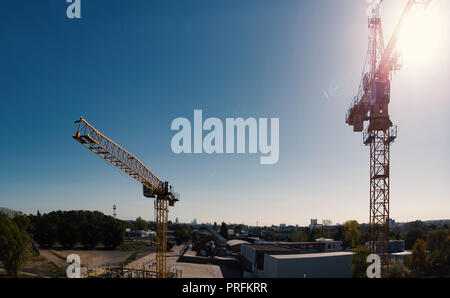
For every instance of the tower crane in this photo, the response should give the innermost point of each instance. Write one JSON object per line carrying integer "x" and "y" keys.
{"x": 371, "y": 104}
{"x": 153, "y": 187}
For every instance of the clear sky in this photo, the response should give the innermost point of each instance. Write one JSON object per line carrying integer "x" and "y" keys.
{"x": 131, "y": 67}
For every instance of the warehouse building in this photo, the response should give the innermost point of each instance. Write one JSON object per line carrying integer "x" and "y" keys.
{"x": 252, "y": 257}
{"x": 315, "y": 265}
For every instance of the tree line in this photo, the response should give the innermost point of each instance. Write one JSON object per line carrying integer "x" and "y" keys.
{"x": 67, "y": 228}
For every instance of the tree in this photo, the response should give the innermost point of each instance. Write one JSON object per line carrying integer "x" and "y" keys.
{"x": 90, "y": 234}
{"x": 299, "y": 236}
{"x": 438, "y": 244}
{"x": 397, "y": 270}
{"x": 320, "y": 232}
{"x": 224, "y": 230}
{"x": 417, "y": 262}
{"x": 412, "y": 236}
{"x": 44, "y": 230}
{"x": 359, "y": 262}
{"x": 113, "y": 233}
{"x": 352, "y": 234}
{"x": 326, "y": 223}
{"x": 182, "y": 235}
{"x": 141, "y": 224}
{"x": 67, "y": 235}
{"x": 14, "y": 246}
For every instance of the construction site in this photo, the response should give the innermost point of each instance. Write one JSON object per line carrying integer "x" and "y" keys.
{"x": 262, "y": 210}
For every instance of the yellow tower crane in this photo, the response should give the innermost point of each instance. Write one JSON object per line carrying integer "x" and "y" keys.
{"x": 153, "y": 187}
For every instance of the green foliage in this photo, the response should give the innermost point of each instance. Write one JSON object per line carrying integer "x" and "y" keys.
{"x": 417, "y": 262}
{"x": 15, "y": 246}
{"x": 113, "y": 232}
{"x": 70, "y": 227}
{"x": 141, "y": 224}
{"x": 299, "y": 236}
{"x": 438, "y": 244}
{"x": 397, "y": 270}
{"x": 359, "y": 262}
{"x": 67, "y": 235}
{"x": 90, "y": 234}
{"x": 321, "y": 232}
{"x": 131, "y": 245}
{"x": 412, "y": 236}
{"x": 352, "y": 234}
{"x": 44, "y": 230}
{"x": 182, "y": 235}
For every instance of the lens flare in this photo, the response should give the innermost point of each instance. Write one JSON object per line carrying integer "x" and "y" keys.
{"x": 421, "y": 38}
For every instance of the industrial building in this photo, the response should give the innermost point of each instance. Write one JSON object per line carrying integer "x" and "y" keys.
{"x": 252, "y": 257}
{"x": 315, "y": 265}
{"x": 320, "y": 245}
{"x": 394, "y": 246}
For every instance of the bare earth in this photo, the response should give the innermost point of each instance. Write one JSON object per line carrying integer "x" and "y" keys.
{"x": 188, "y": 270}
{"x": 90, "y": 258}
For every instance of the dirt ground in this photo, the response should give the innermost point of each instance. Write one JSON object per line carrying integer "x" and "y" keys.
{"x": 91, "y": 258}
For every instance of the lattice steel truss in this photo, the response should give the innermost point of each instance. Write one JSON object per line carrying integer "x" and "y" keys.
{"x": 91, "y": 138}
{"x": 379, "y": 142}
{"x": 161, "y": 212}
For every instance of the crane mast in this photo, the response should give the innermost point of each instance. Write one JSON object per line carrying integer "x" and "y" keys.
{"x": 153, "y": 187}
{"x": 372, "y": 104}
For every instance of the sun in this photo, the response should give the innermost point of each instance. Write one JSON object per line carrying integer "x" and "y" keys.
{"x": 422, "y": 36}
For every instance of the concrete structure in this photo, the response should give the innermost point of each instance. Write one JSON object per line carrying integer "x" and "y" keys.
{"x": 316, "y": 265}
{"x": 400, "y": 256}
{"x": 314, "y": 224}
{"x": 394, "y": 246}
{"x": 235, "y": 245}
{"x": 252, "y": 257}
{"x": 320, "y": 245}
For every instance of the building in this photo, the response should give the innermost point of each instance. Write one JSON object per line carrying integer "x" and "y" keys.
{"x": 316, "y": 265}
{"x": 235, "y": 245}
{"x": 320, "y": 245}
{"x": 391, "y": 222}
{"x": 394, "y": 246}
{"x": 252, "y": 257}
{"x": 314, "y": 224}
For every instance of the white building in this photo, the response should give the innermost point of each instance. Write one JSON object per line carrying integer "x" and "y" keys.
{"x": 315, "y": 265}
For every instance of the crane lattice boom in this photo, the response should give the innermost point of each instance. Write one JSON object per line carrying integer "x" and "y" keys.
{"x": 163, "y": 193}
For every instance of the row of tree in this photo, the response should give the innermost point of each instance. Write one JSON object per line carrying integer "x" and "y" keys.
{"x": 89, "y": 228}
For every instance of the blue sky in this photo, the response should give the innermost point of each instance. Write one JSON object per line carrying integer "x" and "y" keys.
{"x": 131, "y": 67}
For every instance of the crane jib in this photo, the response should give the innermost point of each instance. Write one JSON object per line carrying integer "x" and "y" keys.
{"x": 91, "y": 138}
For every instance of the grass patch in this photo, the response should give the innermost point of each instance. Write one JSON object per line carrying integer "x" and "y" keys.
{"x": 57, "y": 255}
{"x": 131, "y": 246}
{"x": 130, "y": 259}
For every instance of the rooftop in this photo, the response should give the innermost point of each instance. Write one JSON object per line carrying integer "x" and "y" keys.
{"x": 234, "y": 242}
{"x": 314, "y": 255}
{"x": 269, "y": 248}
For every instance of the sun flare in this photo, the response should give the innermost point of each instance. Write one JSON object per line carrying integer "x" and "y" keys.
{"x": 422, "y": 36}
